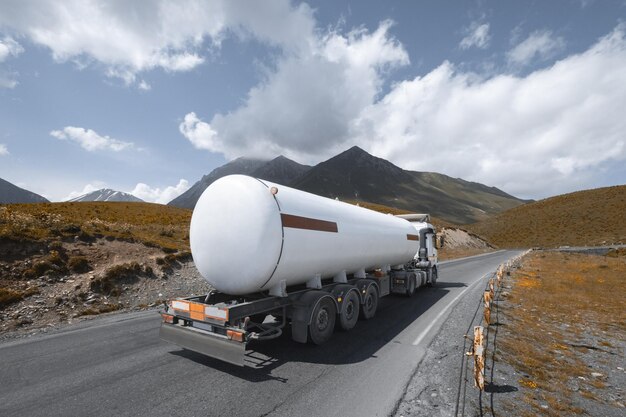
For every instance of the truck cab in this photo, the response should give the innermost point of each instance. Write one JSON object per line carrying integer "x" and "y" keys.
{"x": 429, "y": 243}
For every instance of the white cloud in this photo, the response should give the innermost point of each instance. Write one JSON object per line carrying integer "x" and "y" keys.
{"x": 477, "y": 35}
{"x": 199, "y": 133}
{"x": 90, "y": 140}
{"x": 143, "y": 85}
{"x": 131, "y": 37}
{"x": 3, "y": 150}
{"x": 9, "y": 48}
{"x": 157, "y": 195}
{"x": 8, "y": 79}
{"x": 539, "y": 45}
{"x": 552, "y": 130}
{"x": 89, "y": 188}
{"x": 305, "y": 107}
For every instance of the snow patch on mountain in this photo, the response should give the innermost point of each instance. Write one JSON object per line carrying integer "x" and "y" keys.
{"x": 106, "y": 194}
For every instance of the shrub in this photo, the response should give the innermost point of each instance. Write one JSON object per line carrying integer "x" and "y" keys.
{"x": 86, "y": 237}
{"x": 53, "y": 264}
{"x": 183, "y": 256}
{"x": 109, "y": 282}
{"x": 71, "y": 229}
{"x": 56, "y": 245}
{"x": 79, "y": 264}
{"x": 8, "y": 297}
{"x": 92, "y": 311}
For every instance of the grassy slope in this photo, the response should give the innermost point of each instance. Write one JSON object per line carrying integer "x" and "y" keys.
{"x": 559, "y": 326}
{"x": 152, "y": 224}
{"x": 590, "y": 217}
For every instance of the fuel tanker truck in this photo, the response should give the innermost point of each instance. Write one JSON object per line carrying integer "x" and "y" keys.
{"x": 277, "y": 257}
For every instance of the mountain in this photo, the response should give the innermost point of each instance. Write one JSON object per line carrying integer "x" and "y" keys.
{"x": 10, "y": 193}
{"x": 590, "y": 217}
{"x": 281, "y": 170}
{"x": 356, "y": 175}
{"x": 241, "y": 165}
{"x": 106, "y": 194}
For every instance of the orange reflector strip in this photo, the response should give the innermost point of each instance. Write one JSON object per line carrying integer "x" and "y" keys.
{"x": 412, "y": 237}
{"x": 194, "y": 315}
{"x": 236, "y": 336}
{"x": 198, "y": 308}
{"x": 167, "y": 318}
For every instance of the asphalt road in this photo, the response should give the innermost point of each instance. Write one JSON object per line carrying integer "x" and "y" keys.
{"x": 117, "y": 365}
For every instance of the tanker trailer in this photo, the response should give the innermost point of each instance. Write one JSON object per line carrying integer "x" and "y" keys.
{"x": 310, "y": 262}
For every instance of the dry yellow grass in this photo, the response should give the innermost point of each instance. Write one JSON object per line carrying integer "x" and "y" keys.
{"x": 559, "y": 316}
{"x": 591, "y": 217}
{"x": 152, "y": 224}
{"x": 437, "y": 222}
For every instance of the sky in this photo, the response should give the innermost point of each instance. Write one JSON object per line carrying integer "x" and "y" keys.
{"x": 148, "y": 96}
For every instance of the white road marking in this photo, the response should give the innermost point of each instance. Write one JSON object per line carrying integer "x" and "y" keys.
{"x": 445, "y": 309}
{"x": 471, "y": 257}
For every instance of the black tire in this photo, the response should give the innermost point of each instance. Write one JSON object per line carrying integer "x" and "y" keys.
{"x": 411, "y": 285}
{"x": 370, "y": 303}
{"x": 322, "y": 321}
{"x": 349, "y": 314}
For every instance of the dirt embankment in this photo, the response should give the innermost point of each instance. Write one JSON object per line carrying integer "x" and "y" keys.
{"x": 459, "y": 243}
{"x": 46, "y": 284}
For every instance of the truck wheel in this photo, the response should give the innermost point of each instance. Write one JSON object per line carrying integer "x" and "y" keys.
{"x": 411, "y": 285}
{"x": 322, "y": 321}
{"x": 349, "y": 311}
{"x": 370, "y": 303}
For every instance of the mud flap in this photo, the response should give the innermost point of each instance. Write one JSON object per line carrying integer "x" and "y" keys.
{"x": 214, "y": 346}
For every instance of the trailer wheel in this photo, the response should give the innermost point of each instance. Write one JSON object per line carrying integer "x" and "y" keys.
{"x": 349, "y": 311}
{"x": 412, "y": 285}
{"x": 370, "y": 303}
{"x": 322, "y": 321}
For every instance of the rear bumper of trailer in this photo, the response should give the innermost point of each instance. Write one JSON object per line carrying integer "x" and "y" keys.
{"x": 205, "y": 343}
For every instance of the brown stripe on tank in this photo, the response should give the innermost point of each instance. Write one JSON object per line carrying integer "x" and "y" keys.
{"x": 307, "y": 223}
{"x": 412, "y": 237}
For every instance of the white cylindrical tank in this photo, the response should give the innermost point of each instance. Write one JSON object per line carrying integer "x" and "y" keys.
{"x": 248, "y": 235}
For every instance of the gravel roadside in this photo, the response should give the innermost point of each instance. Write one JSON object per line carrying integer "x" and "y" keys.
{"x": 440, "y": 386}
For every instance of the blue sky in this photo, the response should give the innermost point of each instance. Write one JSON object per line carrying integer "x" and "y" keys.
{"x": 146, "y": 97}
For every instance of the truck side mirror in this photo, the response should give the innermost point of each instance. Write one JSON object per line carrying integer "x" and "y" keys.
{"x": 439, "y": 242}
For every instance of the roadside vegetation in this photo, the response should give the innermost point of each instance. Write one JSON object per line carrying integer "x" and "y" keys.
{"x": 584, "y": 218}
{"x": 59, "y": 261}
{"x": 154, "y": 225}
{"x": 562, "y": 328}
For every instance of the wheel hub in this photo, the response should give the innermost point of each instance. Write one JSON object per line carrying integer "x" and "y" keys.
{"x": 349, "y": 310}
{"x": 322, "y": 319}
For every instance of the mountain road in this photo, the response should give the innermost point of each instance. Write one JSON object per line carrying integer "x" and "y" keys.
{"x": 117, "y": 365}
